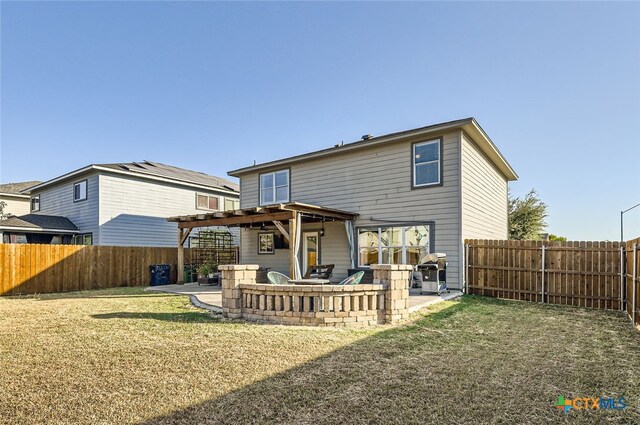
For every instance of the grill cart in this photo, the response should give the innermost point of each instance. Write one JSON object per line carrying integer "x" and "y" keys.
{"x": 431, "y": 274}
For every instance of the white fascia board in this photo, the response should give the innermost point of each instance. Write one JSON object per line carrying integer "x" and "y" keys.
{"x": 14, "y": 195}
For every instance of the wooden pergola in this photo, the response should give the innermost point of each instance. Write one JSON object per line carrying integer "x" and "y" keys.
{"x": 291, "y": 213}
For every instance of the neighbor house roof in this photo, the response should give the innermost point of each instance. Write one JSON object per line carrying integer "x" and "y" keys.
{"x": 15, "y": 189}
{"x": 469, "y": 125}
{"x": 39, "y": 223}
{"x": 154, "y": 171}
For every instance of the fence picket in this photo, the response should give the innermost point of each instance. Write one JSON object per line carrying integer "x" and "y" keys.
{"x": 37, "y": 268}
{"x": 576, "y": 272}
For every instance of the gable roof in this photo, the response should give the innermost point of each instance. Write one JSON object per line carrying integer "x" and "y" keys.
{"x": 39, "y": 222}
{"x": 469, "y": 125}
{"x": 18, "y": 187}
{"x": 155, "y": 171}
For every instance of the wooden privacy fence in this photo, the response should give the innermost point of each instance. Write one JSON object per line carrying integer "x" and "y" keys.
{"x": 32, "y": 268}
{"x": 587, "y": 274}
{"x": 632, "y": 275}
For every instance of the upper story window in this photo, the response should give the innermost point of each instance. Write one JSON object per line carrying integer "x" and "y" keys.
{"x": 231, "y": 204}
{"x": 427, "y": 167}
{"x": 274, "y": 187}
{"x": 80, "y": 191}
{"x": 35, "y": 203}
{"x": 207, "y": 202}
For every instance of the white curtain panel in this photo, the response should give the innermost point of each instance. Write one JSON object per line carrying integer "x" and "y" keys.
{"x": 298, "y": 273}
{"x": 348, "y": 227}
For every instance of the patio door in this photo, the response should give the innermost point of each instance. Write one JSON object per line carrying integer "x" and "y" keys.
{"x": 310, "y": 250}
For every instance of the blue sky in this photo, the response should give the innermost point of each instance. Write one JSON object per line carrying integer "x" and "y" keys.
{"x": 214, "y": 86}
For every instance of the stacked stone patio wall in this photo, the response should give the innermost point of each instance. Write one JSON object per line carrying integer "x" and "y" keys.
{"x": 384, "y": 301}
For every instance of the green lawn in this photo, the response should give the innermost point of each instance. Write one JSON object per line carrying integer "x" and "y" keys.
{"x": 126, "y": 356}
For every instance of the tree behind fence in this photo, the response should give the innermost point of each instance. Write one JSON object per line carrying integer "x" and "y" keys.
{"x": 32, "y": 268}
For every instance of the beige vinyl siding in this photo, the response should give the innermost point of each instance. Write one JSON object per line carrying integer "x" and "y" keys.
{"x": 278, "y": 262}
{"x": 133, "y": 211}
{"x": 376, "y": 183}
{"x": 484, "y": 196}
{"x": 58, "y": 200}
{"x": 15, "y": 205}
{"x": 333, "y": 250}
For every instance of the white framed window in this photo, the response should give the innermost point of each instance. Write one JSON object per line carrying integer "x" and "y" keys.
{"x": 80, "y": 191}
{"x": 427, "y": 167}
{"x": 231, "y": 204}
{"x": 207, "y": 202}
{"x": 394, "y": 244}
{"x": 274, "y": 187}
{"x": 35, "y": 203}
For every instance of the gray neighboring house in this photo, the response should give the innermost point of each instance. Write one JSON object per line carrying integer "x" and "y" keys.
{"x": 414, "y": 192}
{"x": 121, "y": 204}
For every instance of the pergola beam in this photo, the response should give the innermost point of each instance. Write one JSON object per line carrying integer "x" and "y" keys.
{"x": 236, "y": 220}
{"x": 280, "y": 227}
{"x": 320, "y": 212}
{"x": 261, "y": 213}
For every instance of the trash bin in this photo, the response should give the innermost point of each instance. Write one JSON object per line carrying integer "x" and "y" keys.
{"x": 160, "y": 274}
{"x": 189, "y": 273}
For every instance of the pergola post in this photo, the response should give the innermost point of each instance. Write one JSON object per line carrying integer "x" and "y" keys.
{"x": 182, "y": 237}
{"x": 293, "y": 236}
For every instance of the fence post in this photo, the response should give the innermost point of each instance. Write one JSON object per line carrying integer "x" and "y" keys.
{"x": 635, "y": 284}
{"x": 466, "y": 270}
{"x": 543, "y": 258}
{"x": 622, "y": 271}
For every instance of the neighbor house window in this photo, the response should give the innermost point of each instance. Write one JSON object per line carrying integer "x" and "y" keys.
{"x": 80, "y": 191}
{"x": 393, "y": 245}
{"x": 426, "y": 163}
{"x": 84, "y": 239}
{"x": 231, "y": 204}
{"x": 35, "y": 203}
{"x": 207, "y": 202}
{"x": 274, "y": 187}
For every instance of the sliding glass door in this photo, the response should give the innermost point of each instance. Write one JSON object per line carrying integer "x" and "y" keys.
{"x": 393, "y": 244}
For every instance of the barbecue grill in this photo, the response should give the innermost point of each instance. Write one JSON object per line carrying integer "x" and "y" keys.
{"x": 431, "y": 274}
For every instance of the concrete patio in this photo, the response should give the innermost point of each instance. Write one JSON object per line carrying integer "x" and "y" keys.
{"x": 210, "y": 296}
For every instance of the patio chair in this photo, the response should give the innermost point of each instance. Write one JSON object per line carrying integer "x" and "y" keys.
{"x": 276, "y": 278}
{"x": 354, "y": 279}
{"x": 319, "y": 271}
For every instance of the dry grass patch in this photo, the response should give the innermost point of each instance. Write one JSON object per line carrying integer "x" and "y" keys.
{"x": 125, "y": 356}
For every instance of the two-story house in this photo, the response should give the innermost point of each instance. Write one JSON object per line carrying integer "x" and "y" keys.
{"x": 386, "y": 199}
{"x": 118, "y": 204}
{"x": 15, "y": 202}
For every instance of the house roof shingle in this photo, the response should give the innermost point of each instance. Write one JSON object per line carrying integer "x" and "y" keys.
{"x": 174, "y": 173}
{"x": 16, "y": 188}
{"x": 153, "y": 171}
{"x": 39, "y": 222}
